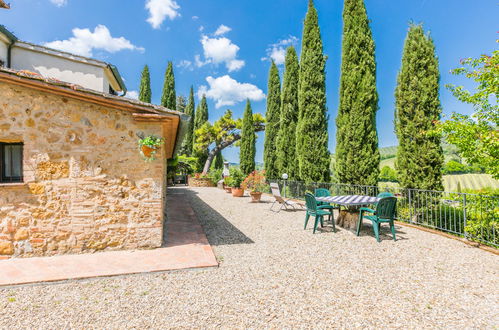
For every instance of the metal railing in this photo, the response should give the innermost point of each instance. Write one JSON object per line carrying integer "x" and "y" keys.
{"x": 473, "y": 216}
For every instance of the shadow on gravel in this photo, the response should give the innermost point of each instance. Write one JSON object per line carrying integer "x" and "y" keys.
{"x": 219, "y": 230}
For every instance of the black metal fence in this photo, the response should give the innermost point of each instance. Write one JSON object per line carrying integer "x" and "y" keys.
{"x": 473, "y": 216}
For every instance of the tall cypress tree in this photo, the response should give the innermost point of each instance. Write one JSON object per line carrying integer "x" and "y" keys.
{"x": 218, "y": 163}
{"x": 187, "y": 146}
{"x": 286, "y": 139}
{"x": 145, "y": 86}
{"x": 248, "y": 138}
{"x": 181, "y": 103}
{"x": 272, "y": 117}
{"x": 201, "y": 117}
{"x": 357, "y": 154}
{"x": 417, "y": 108}
{"x": 168, "y": 98}
{"x": 311, "y": 133}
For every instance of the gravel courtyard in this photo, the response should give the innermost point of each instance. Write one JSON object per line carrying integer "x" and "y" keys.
{"x": 275, "y": 274}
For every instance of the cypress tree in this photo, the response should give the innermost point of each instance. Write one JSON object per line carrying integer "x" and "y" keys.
{"x": 357, "y": 154}
{"x": 145, "y": 86}
{"x": 187, "y": 146}
{"x": 286, "y": 139}
{"x": 417, "y": 108}
{"x": 168, "y": 98}
{"x": 311, "y": 134}
{"x": 181, "y": 103}
{"x": 201, "y": 117}
{"x": 272, "y": 117}
{"x": 218, "y": 163}
{"x": 248, "y": 138}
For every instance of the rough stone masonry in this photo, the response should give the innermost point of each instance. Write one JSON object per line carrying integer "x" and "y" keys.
{"x": 86, "y": 186}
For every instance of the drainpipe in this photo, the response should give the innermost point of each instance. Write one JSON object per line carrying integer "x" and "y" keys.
{"x": 9, "y": 54}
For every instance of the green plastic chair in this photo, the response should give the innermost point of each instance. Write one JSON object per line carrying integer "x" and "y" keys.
{"x": 316, "y": 211}
{"x": 385, "y": 212}
{"x": 322, "y": 192}
{"x": 385, "y": 194}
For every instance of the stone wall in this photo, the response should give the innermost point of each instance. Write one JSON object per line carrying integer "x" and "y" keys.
{"x": 86, "y": 187}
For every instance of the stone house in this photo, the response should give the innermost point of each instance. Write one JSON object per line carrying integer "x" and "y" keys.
{"x": 83, "y": 71}
{"x": 71, "y": 176}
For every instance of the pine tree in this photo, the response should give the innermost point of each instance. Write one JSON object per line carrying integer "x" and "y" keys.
{"x": 168, "y": 98}
{"x": 187, "y": 146}
{"x": 201, "y": 117}
{"x": 286, "y": 139}
{"x": 357, "y": 154}
{"x": 181, "y": 103}
{"x": 417, "y": 109}
{"x": 311, "y": 134}
{"x": 145, "y": 86}
{"x": 248, "y": 138}
{"x": 273, "y": 120}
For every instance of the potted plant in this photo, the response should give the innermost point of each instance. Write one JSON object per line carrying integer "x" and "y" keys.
{"x": 149, "y": 146}
{"x": 227, "y": 187}
{"x": 255, "y": 183}
{"x": 235, "y": 180}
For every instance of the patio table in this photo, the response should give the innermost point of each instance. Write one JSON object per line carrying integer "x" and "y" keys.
{"x": 348, "y": 218}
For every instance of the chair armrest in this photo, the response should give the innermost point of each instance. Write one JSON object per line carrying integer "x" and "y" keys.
{"x": 366, "y": 209}
{"x": 324, "y": 206}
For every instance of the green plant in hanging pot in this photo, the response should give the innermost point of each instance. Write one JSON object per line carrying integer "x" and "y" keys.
{"x": 149, "y": 146}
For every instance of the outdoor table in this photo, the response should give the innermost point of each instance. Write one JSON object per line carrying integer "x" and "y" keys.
{"x": 348, "y": 218}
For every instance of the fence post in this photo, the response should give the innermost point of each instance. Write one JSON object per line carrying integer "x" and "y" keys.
{"x": 410, "y": 204}
{"x": 464, "y": 216}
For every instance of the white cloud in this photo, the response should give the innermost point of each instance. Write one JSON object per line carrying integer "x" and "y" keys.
{"x": 159, "y": 10}
{"x": 85, "y": 41}
{"x": 277, "y": 51}
{"x": 185, "y": 64}
{"x": 195, "y": 18}
{"x": 132, "y": 95}
{"x": 222, "y": 29}
{"x": 220, "y": 50}
{"x": 59, "y": 3}
{"x": 227, "y": 91}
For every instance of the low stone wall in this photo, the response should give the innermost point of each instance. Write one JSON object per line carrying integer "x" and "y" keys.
{"x": 204, "y": 182}
{"x": 86, "y": 187}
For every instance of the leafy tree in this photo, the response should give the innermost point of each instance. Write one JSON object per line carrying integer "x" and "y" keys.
{"x": 419, "y": 154}
{"x": 477, "y": 136}
{"x": 145, "y": 86}
{"x": 388, "y": 174}
{"x": 286, "y": 139}
{"x": 168, "y": 98}
{"x": 188, "y": 143}
{"x": 357, "y": 154}
{"x": 222, "y": 134}
{"x": 454, "y": 167}
{"x": 311, "y": 133}
{"x": 181, "y": 103}
{"x": 200, "y": 119}
{"x": 248, "y": 138}
{"x": 273, "y": 118}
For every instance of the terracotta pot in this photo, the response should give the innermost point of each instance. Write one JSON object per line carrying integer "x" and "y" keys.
{"x": 228, "y": 189}
{"x": 147, "y": 151}
{"x": 255, "y": 196}
{"x": 237, "y": 192}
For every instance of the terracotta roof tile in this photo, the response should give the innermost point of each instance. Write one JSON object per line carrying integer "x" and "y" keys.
{"x": 3, "y": 4}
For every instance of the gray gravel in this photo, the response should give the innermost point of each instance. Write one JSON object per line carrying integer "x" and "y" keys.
{"x": 274, "y": 274}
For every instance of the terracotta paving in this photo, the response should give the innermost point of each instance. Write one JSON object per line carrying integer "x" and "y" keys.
{"x": 186, "y": 247}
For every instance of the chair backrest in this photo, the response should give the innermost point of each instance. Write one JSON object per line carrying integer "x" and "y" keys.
{"x": 276, "y": 192}
{"x": 385, "y": 209}
{"x": 322, "y": 192}
{"x": 385, "y": 194}
{"x": 310, "y": 202}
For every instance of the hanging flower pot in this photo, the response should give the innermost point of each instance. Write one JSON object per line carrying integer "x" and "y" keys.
{"x": 149, "y": 146}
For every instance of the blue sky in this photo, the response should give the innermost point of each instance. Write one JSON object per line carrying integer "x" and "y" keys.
{"x": 222, "y": 47}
